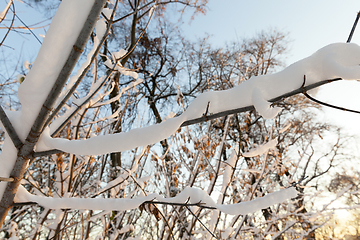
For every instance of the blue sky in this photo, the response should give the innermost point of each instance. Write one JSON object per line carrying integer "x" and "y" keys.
{"x": 310, "y": 24}
{"x": 20, "y": 44}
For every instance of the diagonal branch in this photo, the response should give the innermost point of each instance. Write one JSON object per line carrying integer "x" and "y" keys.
{"x": 225, "y": 113}
{"x": 67, "y": 69}
{"x": 11, "y": 24}
{"x": 324, "y": 103}
{"x": 86, "y": 69}
{"x": 25, "y": 152}
{"x": 353, "y": 28}
{"x": 10, "y": 129}
{"x": 329, "y": 105}
{"x": 208, "y": 230}
{"x": 248, "y": 108}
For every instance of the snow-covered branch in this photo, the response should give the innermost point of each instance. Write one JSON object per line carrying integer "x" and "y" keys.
{"x": 190, "y": 195}
{"x": 58, "y": 56}
{"x": 333, "y": 62}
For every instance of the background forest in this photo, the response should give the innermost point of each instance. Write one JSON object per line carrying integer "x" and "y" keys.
{"x": 215, "y": 156}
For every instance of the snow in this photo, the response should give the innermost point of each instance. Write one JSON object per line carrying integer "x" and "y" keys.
{"x": 262, "y": 149}
{"x": 285, "y": 128}
{"x": 119, "y": 54}
{"x": 127, "y": 228}
{"x": 122, "y": 91}
{"x": 52, "y": 56}
{"x": 100, "y": 30}
{"x": 263, "y": 106}
{"x": 44, "y": 71}
{"x": 228, "y": 170}
{"x": 115, "y": 142}
{"x": 332, "y": 61}
{"x": 194, "y": 195}
{"x": 107, "y": 12}
{"x": 152, "y": 10}
{"x": 27, "y": 65}
{"x": 9, "y": 152}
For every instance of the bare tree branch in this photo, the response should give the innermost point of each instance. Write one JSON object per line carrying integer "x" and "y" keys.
{"x": 10, "y": 129}
{"x": 353, "y": 28}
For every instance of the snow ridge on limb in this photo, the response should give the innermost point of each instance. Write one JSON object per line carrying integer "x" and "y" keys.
{"x": 259, "y": 150}
{"x": 338, "y": 60}
{"x": 52, "y": 58}
{"x": 188, "y": 195}
{"x": 263, "y": 106}
{"x": 56, "y": 60}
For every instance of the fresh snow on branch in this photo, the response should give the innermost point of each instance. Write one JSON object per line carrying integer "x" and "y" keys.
{"x": 259, "y": 150}
{"x": 338, "y": 60}
{"x": 188, "y": 195}
{"x": 230, "y": 164}
{"x": 57, "y": 45}
{"x": 100, "y": 30}
{"x": 60, "y": 38}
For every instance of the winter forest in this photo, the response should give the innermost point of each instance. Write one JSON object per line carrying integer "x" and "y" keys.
{"x": 122, "y": 128}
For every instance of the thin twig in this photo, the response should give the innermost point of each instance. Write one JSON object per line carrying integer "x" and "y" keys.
{"x": 11, "y": 25}
{"x": 298, "y": 182}
{"x": 79, "y": 107}
{"x": 212, "y": 234}
{"x": 10, "y": 129}
{"x": 124, "y": 58}
{"x": 4, "y": 179}
{"x": 4, "y": 13}
{"x": 207, "y": 109}
{"x": 26, "y": 27}
{"x": 166, "y": 222}
{"x": 353, "y": 28}
{"x": 323, "y": 103}
{"x": 199, "y": 204}
{"x": 329, "y": 105}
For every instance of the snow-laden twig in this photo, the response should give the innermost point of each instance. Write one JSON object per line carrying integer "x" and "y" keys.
{"x": 194, "y": 195}
{"x": 82, "y": 72}
{"x": 327, "y": 63}
{"x": 37, "y": 101}
{"x": 259, "y": 150}
{"x": 43, "y": 152}
{"x": 250, "y": 108}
